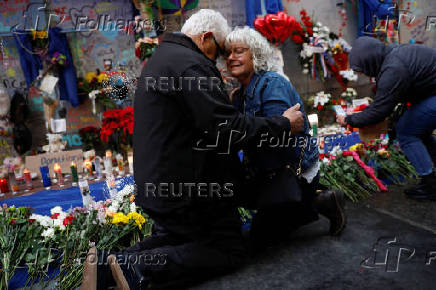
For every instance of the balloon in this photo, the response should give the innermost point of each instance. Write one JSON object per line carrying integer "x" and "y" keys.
{"x": 276, "y": 27}
{"x": 259, "y": 24}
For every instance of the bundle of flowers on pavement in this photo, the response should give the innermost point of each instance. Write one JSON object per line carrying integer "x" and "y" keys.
{"x": 365, "y": 168}
{"x": 63, "y": 239}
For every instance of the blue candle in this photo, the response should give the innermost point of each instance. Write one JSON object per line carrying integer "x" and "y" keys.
{"x": 45, "y": 173}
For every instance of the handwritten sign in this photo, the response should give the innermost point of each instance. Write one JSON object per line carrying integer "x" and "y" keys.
{"x": 81, "y": 117}
{"x": 64, "y": 158}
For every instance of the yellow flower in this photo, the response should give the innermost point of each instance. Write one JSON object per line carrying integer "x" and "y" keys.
{"x": 102, "y": 77}
{"x": 119, "y": 217}
{"x": 137, "y": 217}
{"x": 90, "y": 76}
{"x": 355, "y": 147}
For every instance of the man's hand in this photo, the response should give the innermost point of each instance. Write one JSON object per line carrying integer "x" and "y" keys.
{"x": 296, "y": 118}
{"x": 341, "y": 120}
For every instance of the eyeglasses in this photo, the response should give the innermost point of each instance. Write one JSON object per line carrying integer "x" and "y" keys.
{"x": 220, "y": 50}
{"x": 237, "y": 52}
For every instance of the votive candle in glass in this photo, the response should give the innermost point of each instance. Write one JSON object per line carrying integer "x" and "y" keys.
{"x": 75, "y": 176}
{"x": 120, "y": 164}
{"x": 4, "y": 185}
{"x": 27, "y": 179}
{"x": 130, "y": 160}
{"x": 58, "y": 171}
{"x": 45, "y": 174}
{"x": 97, "y": 165}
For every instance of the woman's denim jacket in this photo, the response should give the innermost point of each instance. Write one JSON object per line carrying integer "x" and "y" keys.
{"x": 268, "y": 94}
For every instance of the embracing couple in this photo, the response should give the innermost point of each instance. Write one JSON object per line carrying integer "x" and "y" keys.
{"x": 190, "y": 179}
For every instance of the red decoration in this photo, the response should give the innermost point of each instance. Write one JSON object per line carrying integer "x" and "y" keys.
{"x": 68, "y": 220}
{"x": 275, "y": 27}
{"x": 368, "y": 170}
{"x": 117, "y": 120}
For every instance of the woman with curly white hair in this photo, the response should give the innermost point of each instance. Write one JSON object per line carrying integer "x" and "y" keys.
{"x": 265, "y": 93}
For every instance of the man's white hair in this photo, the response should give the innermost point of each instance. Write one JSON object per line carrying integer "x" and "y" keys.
{"x": 207, "y": 20}
{"x": 260, "y": 48}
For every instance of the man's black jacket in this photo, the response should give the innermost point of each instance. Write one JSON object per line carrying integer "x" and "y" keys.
{"x": 404, "y": 73}
{"x": 187, "y": 131}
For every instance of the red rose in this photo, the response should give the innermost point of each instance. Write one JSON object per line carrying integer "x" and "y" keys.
{"x": 319, "y": 108}
{"x": 68, "y": 220}
{"x": 310, "y": 31}
{"x": 297, "y": 39}
{"x": 13, "y": 221}
{"x": 54, "y": 216}
{"x": 31, "y": 220}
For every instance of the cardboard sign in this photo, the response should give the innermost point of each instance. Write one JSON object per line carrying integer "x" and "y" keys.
{"x": 64, "y": 158}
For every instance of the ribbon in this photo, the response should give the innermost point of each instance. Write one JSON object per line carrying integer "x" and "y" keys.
{"x": 368, "y": 170}
{"x": 316, "y": 42}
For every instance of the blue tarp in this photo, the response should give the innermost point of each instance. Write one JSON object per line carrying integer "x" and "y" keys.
{"x": 370, "y": 8}
{"x": 43, "y": 201}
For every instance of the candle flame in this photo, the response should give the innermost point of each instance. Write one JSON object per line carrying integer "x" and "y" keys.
{"x": 57, "y": 167}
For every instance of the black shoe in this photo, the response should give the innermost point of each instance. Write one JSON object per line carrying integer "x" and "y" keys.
{"x": 425, "y": 190}
{"x": 127, "y": 275}
{"x": 421, "y": 192}
{"x": 331, "y": 204}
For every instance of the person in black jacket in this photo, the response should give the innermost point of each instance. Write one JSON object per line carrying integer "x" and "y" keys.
{"x": 404, "y": 73}
{"x": 186, "y": 137}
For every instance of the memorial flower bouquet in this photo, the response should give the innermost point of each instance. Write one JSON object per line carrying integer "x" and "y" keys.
{"x": 117, "y": 129}
{"x": 63, "y": 238}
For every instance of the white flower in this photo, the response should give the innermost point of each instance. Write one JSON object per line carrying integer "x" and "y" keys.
{"x": 132, "y": 207}
{"x": 305, "y": 71}
{"x": 114, "y": 206}
{"x": 59, "y": 223}
{"x": 56, "y": 209}
{"x": 101, "y": 216}
{"x": 336, "y": 151}
{"x": 306, "y": 65}
{"x": 44, "y": 221}
{"x": 349, "y": 75}
{"x": 319, "y": 24}
{"x": 48, "y": 233}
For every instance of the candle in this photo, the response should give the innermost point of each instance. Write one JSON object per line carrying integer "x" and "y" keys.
{"x": 13, "y": 183}
{"x": 130, "y": 160}
{"x": 313, "y": 121}
{"x": 120, "y": 163}
{"x": 98, "y": 167}
{"x": 74, "y": 173}
{"x": 108, "y": 165}
{"x": 27, "y": 179}
{"x": 45, "y": 176}
{"x": 57, "y": 170}
{"x": 88, "y": 168}
{"x": 4, "y": 186}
